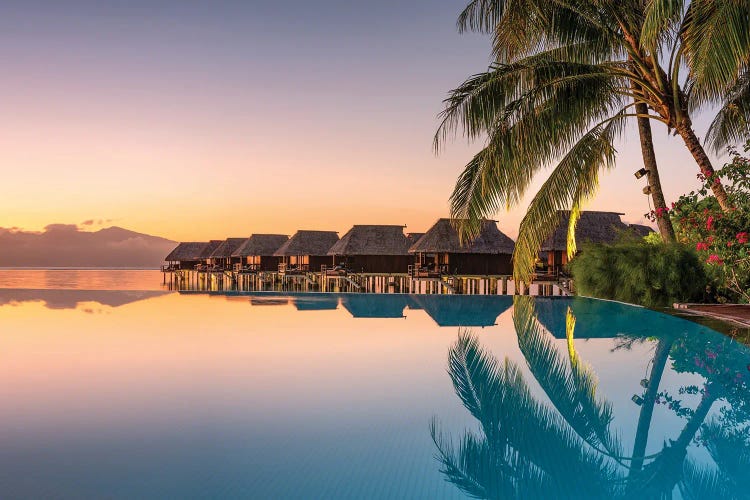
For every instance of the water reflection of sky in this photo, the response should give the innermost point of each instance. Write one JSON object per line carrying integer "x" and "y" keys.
{"x": 307, "y": 396}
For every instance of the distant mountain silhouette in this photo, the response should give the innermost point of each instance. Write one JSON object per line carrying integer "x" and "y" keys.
{"x": 65, "y": 245}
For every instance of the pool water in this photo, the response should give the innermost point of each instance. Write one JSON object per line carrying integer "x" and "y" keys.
{"x": 153, "y": 394}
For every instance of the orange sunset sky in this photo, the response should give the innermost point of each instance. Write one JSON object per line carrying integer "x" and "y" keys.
{"x": 195, "y": 121}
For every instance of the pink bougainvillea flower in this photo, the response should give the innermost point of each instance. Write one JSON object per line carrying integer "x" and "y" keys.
{"x": 743, "y": 237}
{"x": 710, "y": 222}
{"x": 714, "y": 259}
{"x": 701, "y": 246}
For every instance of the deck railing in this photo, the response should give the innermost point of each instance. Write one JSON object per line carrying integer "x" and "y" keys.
{"x": 420, "y": 271}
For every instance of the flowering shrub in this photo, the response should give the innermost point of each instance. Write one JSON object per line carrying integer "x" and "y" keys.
{"x": 722, "y": 239}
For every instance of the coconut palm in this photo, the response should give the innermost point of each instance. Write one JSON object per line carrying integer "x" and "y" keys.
{"x": 568, "y": 75}
{"x": 714, "y": 41}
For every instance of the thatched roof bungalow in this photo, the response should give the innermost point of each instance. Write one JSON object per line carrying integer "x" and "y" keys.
{"x": 186, "y": 255}
{"x": 373, "y": 249}
{"x": 306, "y": 250}
{"x": 208, "y": 250}
{"x": 439, "y": 250}
{"x": 222, "y": 254}
{"x": 257, "y": 252}
{"x": 592, "y": 227}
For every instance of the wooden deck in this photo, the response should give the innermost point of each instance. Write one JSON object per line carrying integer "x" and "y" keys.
{"x": 738, "y": 314}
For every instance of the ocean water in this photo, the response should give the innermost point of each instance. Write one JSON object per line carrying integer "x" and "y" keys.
{"x": 114, "y": 387}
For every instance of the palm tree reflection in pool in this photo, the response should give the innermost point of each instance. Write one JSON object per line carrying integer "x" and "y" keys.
{"x": 525, "y": 449}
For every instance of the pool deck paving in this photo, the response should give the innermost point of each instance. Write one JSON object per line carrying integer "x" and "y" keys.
{"x": 738, "y": 314}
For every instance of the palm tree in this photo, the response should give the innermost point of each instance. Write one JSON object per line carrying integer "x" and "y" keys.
{"x": 715, "y": 44}
{"x": 567, "y": 76}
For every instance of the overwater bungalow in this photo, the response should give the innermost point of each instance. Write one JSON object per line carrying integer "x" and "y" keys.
{"x": 592, "y": 227}
{"x": 221, "y": 257}
{"x": 439, "y": 251}
{"x": 257, "y": 252}
{"x": 205, "y": 254}
{"x": 185, "y": 256}
{"x": 372, "y": 249}
{"x": 306, "y": 251}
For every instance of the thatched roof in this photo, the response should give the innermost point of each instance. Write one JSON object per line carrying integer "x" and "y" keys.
{"x": 315, "y": 243}
{"x": 260, "y": 244}
{"x": 372, "y": 240}
{"x": 443, "y": 238}
{"x": 226, "y": 248}
{"x": 189, "y": 250}
{"x": 640, "y": 230}
{"x": 592, "y": 227}
{"x": 414, "y": 237}
{"x": 209, "y": 248}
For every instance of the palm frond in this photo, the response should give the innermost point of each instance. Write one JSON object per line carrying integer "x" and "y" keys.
{"x": 716, "y": 43}
{"x": 732, "y": 122}
{"x": 661, "y": 22}
{"x": 573, "y": 180}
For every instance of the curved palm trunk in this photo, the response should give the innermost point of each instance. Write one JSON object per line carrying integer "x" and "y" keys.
{"x": 649, "y": 161}
{"x": 700, "y": 156}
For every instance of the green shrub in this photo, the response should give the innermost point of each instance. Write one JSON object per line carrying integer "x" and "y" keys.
{"x": 639, "y": 273}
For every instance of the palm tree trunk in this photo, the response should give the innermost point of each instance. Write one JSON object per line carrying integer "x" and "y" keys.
{"x": 649, "y": 162}
{"x": 700, "y": 156}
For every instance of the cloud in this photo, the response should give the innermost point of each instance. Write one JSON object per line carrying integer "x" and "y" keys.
{"x": 96, "y": 222}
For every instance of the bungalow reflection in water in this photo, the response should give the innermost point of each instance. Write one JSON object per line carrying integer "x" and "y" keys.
{"x": 564, "y": 444}
{"x": 446, "y": 310}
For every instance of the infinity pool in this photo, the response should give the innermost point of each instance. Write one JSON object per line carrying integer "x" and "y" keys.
{"x": 148, "y": 394}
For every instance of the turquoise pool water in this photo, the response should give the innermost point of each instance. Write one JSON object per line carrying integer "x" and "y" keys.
{"x": 148, "y": 394}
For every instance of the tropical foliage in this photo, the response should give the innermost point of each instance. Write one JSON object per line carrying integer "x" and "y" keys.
{"x": 566, "y": 77}
{"x": 722, "y": 239}
{"x": 640, "y": 273}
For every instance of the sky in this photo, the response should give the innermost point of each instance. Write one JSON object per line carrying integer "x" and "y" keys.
{"x": 197, "y": 120}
